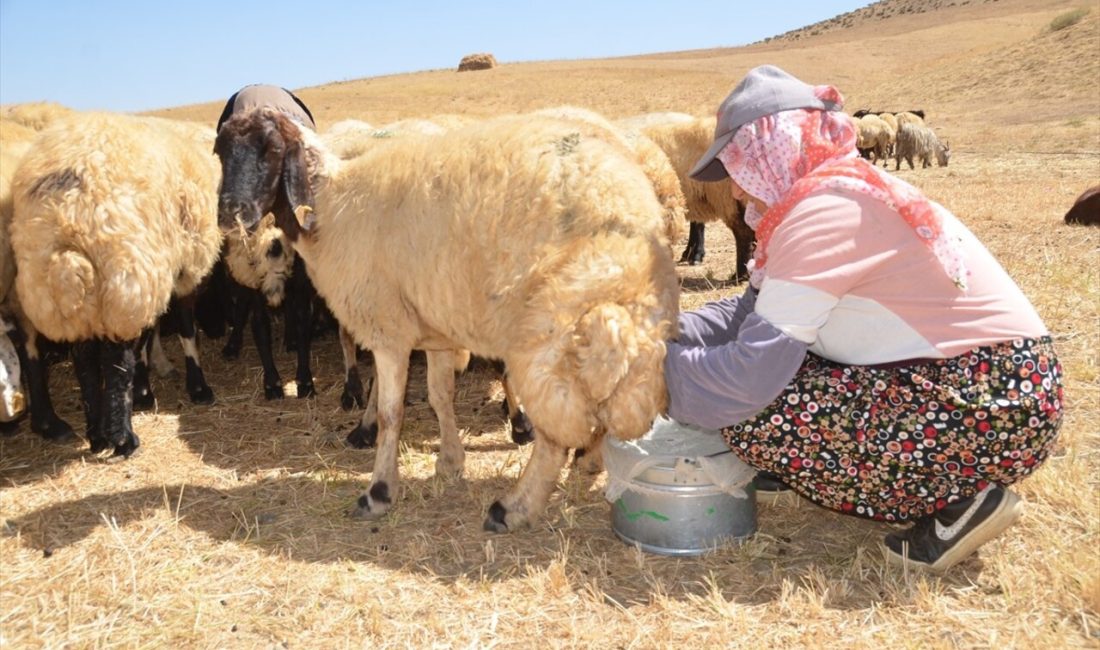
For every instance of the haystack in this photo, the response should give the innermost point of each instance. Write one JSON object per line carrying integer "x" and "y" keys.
{"x": 482, "y": 61}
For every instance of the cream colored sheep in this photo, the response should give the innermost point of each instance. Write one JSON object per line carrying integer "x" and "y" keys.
{"x": 874, "y": 137}
{"x": 684, "y": 139}
{"x": 516, "y": 239}
{"x": 37, "y": 115}
{"x": 114, "y": 215}
{"x": 906, "y": 117}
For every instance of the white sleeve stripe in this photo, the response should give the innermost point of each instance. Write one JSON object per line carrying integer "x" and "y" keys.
{"x": 795, "y": 309}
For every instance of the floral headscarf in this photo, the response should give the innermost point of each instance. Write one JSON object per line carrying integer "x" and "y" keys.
{"x": 781, "y": 158}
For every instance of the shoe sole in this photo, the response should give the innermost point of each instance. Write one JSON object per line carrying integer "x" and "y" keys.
{"x": 1008, "y": 511}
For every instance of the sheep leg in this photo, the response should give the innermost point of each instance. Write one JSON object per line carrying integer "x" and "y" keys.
{"x": 261, "y": 336}
{"x": 743, "y": 238}
{"x": 143, "y": 391}
{"x": 365, "y": 434}
{"x": 300, "y": 299}
{"x": 86, "y": 364}
{"x": 240, "y": 305}
{"x": 523, "y": 431}
{"x": 197, "y": 388}
{"x": 698, "y": 233}
{"x": 353, "y": 386}
{"x": 531, "y": 494}
{"x": 441, "y": 395}
{"x": 44, "y": 419}
{"x": 160, "y": 362}
{"x": 116, "y": 365}
{"x": 392, "y": 369}
{"x": 689, "y": 248}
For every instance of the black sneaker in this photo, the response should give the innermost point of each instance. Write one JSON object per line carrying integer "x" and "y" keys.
{"x": 940, "y": 541}
{"x": 770, "y": 488}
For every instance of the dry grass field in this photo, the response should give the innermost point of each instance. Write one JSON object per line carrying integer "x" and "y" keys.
{"x": 229, "y": 529}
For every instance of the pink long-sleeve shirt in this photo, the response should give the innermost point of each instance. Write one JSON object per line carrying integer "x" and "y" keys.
{"x": 846, "y": 279}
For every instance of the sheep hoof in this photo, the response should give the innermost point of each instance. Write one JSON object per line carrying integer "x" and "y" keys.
{"x": 495, "y": 523}
{"x": 522, "y": 430}
{"x": 144, "y": 400}
{"x": 55, "y": 430}
{"x": 350, "y": 400}
{"x": 231, "y": 352}
{"x": 97, "y": 444}
{"x": 126, "y": 450}
{"x": 273, "y": 392}
{"x": 201, "y": 395}
{"x": 363, "y": 437}
{"x": 9, "y": 428}
{"x": 446, "y": 467}
{"x": 696, "y": 257}
{"x": 306, "y": 390}
{"x": 374, "y": 503}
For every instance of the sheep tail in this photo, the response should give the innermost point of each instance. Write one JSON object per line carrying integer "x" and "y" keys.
{"x": 621, "y": 365}
{"x": 71, "y": 277}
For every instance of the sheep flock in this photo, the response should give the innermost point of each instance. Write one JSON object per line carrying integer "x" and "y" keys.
{"x": 543, "y": 242}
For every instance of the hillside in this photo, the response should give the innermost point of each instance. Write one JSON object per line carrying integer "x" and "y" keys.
{"x": 988, "y": 72}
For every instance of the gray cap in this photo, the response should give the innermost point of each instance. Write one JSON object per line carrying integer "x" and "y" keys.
{"x": 765, "y": 90}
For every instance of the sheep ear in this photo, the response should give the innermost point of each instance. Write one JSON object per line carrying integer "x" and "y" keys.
{"x": 295, "y": 187}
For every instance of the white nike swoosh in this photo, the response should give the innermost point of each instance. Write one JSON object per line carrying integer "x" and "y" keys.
{"x": 947, "y": 533}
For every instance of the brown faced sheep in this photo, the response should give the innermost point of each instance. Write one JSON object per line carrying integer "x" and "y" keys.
{"x": 113, "y": 215}
{"x": 533, "y": 244}
{"x": 684, "y": 139}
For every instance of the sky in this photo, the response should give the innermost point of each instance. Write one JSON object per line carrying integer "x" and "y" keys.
{"x": 146, "y": 54}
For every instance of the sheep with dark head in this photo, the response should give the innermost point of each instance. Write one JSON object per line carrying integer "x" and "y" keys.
{"x": 534, "y": 245}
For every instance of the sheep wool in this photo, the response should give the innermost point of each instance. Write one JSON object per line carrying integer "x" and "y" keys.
{"x": 113, "y": 213}
{"x": 651, "y": 158}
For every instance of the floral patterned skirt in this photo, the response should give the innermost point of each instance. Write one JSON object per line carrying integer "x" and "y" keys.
{"x": 897, "y": 444}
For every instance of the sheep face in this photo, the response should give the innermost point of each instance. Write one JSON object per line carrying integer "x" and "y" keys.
{"x": 943, "y": 154}
{"x": 263, "y": 170}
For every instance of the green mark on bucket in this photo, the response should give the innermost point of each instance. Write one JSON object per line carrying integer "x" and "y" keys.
{"x": 635, "y": 516}
{"x": 710, "y": 511}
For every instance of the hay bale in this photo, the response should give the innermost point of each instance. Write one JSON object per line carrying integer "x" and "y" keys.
{"x": 481, "y": 61}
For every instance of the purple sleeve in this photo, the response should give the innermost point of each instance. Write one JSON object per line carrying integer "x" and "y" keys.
{"x": 716, "y": 323}
{"x": 719, "y": 386}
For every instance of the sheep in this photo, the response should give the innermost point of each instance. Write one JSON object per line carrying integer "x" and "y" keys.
{"x": 534, "y": 244}
{"x": 684, "y": 139}
{"x": 113, "y": 215}
{"x": 909, "y": 117}
{"x": 873, "y": 138}
{"x": 920, "y": 142}
{"x": 37, "y": 115}
{"x": 1086, "y": 208}
{"x": 261, "y": 268}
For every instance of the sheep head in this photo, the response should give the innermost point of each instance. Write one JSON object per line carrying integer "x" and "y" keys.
{"x": 264, "y": 170}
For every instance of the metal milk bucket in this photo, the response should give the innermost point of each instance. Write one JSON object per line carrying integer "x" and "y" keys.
{"x": 678, "y": 490}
